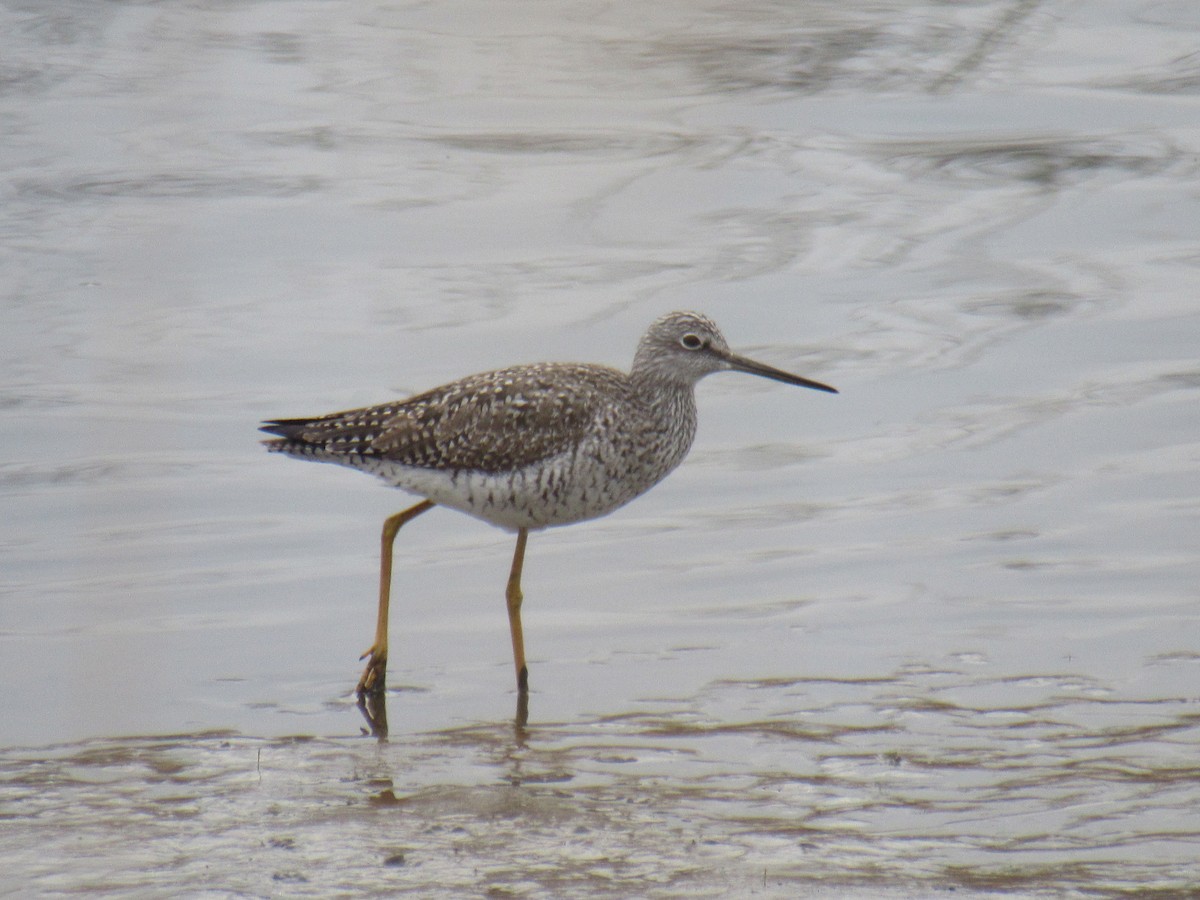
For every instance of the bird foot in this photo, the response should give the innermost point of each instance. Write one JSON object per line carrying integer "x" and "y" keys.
{"x": 374, "y": 710}
{"x": 375, "y": 674}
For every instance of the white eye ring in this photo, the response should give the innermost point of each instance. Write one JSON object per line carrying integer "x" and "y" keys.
{"x": 691, "y": 341}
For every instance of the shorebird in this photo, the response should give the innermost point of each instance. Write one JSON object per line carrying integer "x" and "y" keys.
{"x": 527, "y": 447}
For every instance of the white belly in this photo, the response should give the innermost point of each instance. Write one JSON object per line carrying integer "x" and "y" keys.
{"x": 566, "y": 489}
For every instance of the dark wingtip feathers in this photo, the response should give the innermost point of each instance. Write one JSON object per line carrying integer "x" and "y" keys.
{"x": 286, "y": 428}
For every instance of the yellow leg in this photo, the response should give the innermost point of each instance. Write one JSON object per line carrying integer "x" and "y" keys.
{"x": 513, "y": 595}
{"x": 373, "y": 675}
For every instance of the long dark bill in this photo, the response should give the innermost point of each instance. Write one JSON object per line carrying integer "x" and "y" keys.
{"x": 750, "y": 367}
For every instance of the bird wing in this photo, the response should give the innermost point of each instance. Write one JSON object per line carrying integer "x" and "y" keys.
{"x": 492, "y": 422}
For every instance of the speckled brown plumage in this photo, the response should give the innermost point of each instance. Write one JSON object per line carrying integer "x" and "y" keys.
{"x": 492, "y": 422}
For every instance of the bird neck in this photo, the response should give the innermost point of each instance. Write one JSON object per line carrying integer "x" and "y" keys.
{"x": 671, "y": 402}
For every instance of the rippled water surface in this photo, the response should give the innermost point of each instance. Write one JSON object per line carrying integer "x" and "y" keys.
{"x": 940, "y": 632}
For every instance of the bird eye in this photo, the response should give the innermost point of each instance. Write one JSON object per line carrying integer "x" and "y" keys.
{"x": 691, "y": 342}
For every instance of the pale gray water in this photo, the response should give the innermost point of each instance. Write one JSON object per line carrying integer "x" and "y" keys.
{"x": 940, "y": 632}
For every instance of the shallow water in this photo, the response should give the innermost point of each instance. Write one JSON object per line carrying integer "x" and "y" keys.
{"x": 939, "y": 632}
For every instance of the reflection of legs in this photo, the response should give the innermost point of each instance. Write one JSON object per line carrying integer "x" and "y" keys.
{"x": 373, "y": 675}
{"x": 513, "y": 595}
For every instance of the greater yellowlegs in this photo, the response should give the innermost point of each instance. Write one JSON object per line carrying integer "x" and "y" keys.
{"x": 527, "y": 447}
